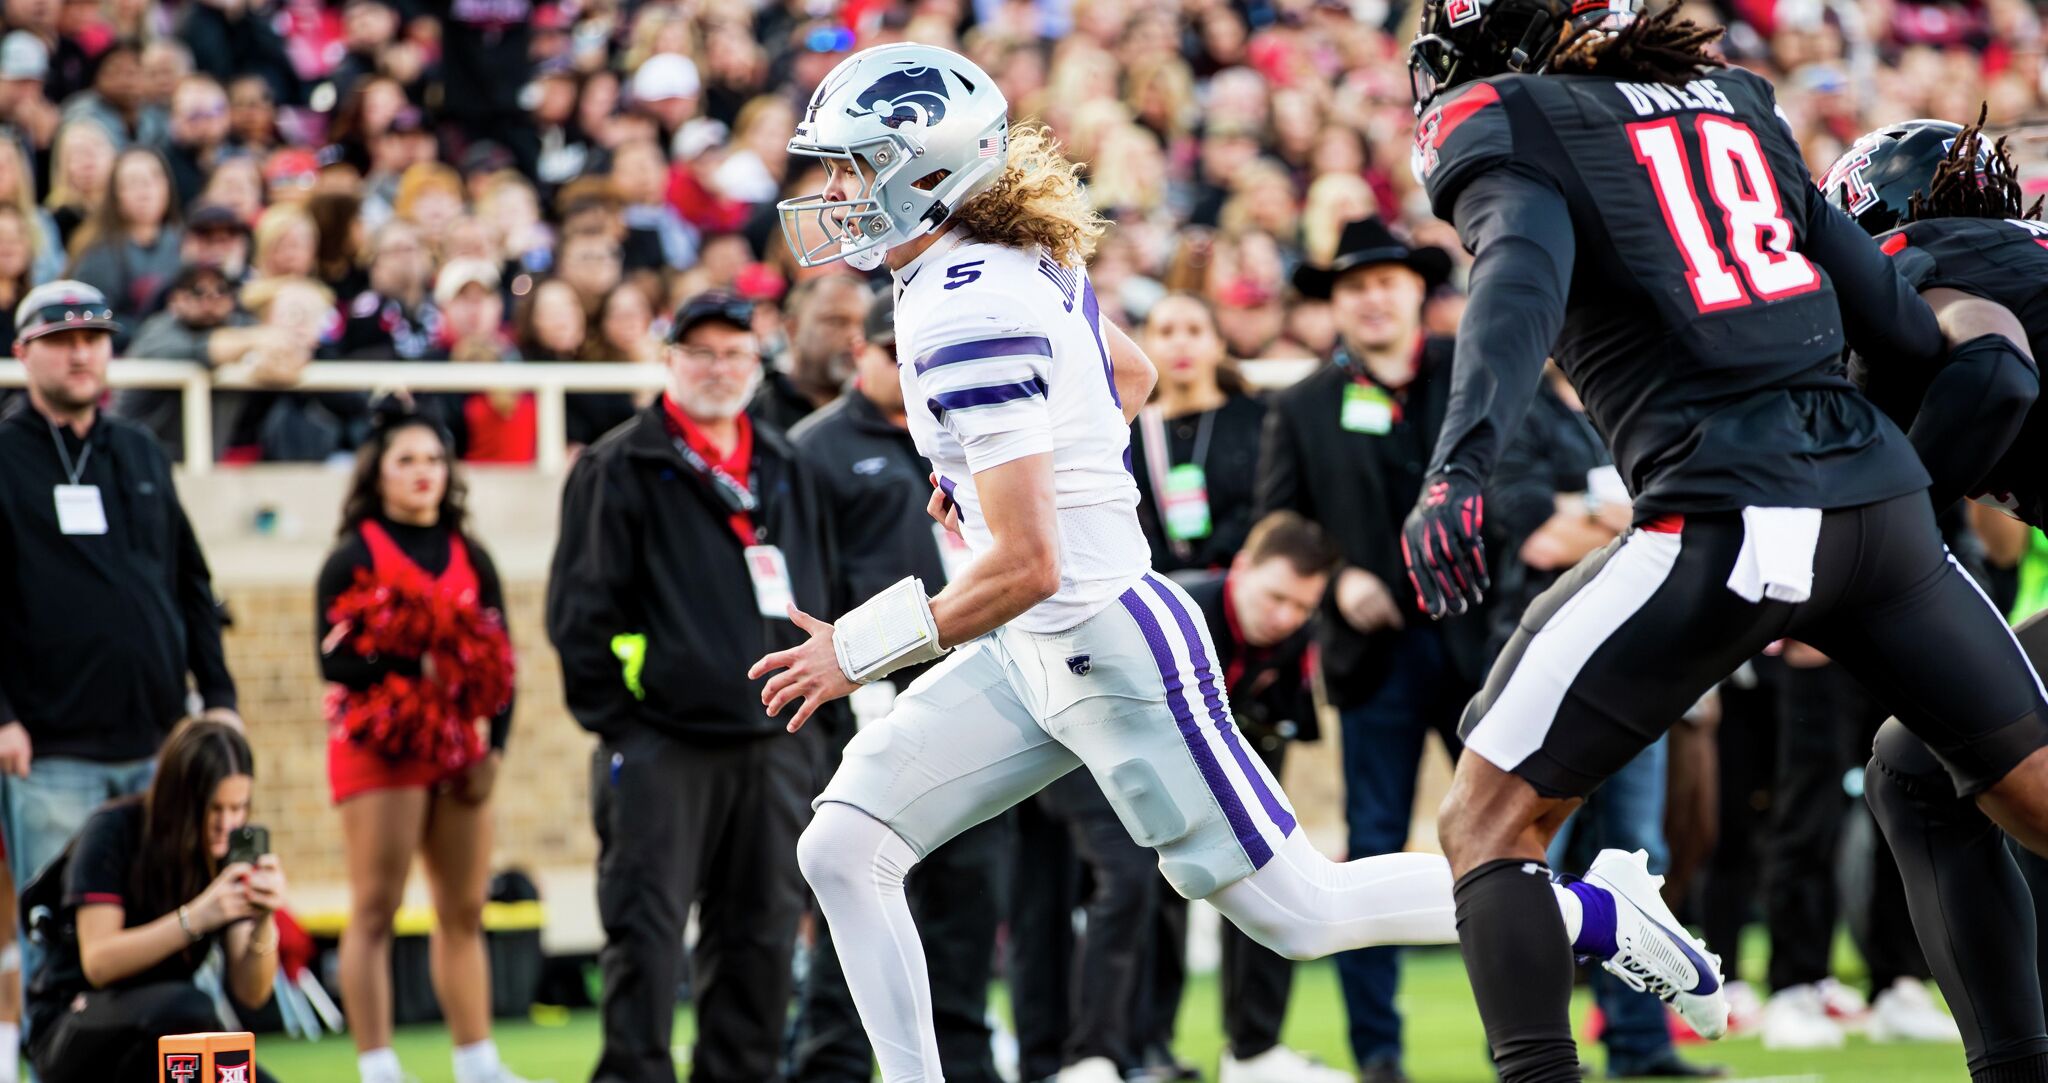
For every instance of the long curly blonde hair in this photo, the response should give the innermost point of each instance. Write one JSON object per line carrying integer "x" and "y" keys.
{"x": 1038, "y": 200}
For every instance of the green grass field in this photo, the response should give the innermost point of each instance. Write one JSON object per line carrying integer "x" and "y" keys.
{"x": 1445, "y": 1043}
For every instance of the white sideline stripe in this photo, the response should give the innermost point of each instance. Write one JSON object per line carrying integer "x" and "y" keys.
{"x": 1520, "y": 718}
{"x": 2002, "y": 623}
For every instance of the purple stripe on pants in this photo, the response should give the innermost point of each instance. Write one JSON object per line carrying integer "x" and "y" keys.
{"x": 1248, "y": 837}
{"x": 1220, "y": 714}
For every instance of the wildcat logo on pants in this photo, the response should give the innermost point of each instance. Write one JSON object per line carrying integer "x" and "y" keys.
{"x": 181, "y": 1067}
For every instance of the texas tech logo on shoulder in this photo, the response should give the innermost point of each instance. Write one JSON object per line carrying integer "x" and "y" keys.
{"x": 1460, "y": 12}
{"x": 181, "y": 1067}
{"x": 1422, "y": 160}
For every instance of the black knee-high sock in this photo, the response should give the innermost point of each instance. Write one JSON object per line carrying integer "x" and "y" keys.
{"x": 1520, "y": 963}
{"x": 1971, "y": 909}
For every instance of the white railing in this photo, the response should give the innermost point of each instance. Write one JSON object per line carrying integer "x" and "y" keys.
{"x": 550, "y": 383}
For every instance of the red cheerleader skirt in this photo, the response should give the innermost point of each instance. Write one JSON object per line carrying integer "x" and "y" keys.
{"x": 353, "y": 769}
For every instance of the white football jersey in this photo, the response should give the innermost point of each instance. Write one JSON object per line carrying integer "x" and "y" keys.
{"x": 1001, "y": 355}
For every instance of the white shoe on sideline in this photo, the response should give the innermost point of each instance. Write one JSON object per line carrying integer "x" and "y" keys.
{"x": 1279, "y": 1065}
{"x": 1653, "y": 952}
{"x": 1843, "y": 1003}
{"x": 1797, "y": 1018}
{"x": 1091, "y": 1070}
{"x": 1745, "y": 1008}
{"x": 1906, "y": 1012}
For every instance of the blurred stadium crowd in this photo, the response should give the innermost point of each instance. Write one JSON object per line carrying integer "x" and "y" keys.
{"x": 353, "y": 168}
{"x": 264, "y": 185}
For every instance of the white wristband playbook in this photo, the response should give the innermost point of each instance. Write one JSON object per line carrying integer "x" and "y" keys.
{"x": 891, "y": 630}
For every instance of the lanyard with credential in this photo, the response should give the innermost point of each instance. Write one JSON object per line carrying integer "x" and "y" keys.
{"x": 71, "y": 473}
{"x": 738, "y": 498}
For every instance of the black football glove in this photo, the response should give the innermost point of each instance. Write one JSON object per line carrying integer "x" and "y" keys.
{"x": 1441, "y": 543}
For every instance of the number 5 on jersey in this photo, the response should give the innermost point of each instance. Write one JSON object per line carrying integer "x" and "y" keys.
{"x": 1759, "y": 238}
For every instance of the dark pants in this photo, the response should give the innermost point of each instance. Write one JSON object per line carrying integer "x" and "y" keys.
{"x": 112, "y": 1037}
{"x": 1113, "y": 952}
{"x": 1382, "y": 747}
{"x": 1256, "y": 982}
{"x": 956, "y": 896}
{"x": 1746, "y": 740}
{"x": 711, "y": 824}
{"x": 1808, "y": 806}
{"x": 1625, "y": 813}
{"x": 1826, "y": 722}
{"x": 1045, "y": 884}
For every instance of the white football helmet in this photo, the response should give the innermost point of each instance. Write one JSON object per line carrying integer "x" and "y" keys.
{"x": 922, "y": 130}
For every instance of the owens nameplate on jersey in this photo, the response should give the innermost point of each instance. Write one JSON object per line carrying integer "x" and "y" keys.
{"x": 1648, "y": 98}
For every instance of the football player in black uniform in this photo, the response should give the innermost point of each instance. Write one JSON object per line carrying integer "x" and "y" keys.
{"x": 1949, "y": 213}
{"x": 1643, "y": 213}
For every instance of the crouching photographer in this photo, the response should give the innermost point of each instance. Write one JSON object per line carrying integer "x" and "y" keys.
{"x": 130, "y": 910}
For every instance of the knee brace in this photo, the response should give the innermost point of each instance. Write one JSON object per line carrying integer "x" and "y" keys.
{"x": 844, "y": 848}
{"x": 1905, "y": 779}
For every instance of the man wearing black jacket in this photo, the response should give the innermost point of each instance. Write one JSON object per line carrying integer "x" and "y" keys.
{"x": 106, "y": 603}
{"x": 859, "y": 449}
{"x": 686, "y": 535}
{"x": 1346, "y": 448}
{"x": 1258, "y": 615}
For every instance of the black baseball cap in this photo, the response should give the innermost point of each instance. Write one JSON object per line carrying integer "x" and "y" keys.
{"x": 880, "y": 326}
{"x": 63, "y": 305}
{"x": 712, "y": 305}
{"x": 212, "y": 216}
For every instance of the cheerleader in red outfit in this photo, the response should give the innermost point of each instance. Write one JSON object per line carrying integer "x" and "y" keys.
{"x": 412, "y": 642}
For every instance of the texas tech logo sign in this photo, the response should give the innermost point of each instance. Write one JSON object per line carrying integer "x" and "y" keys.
{"x": 181, "y": 1067}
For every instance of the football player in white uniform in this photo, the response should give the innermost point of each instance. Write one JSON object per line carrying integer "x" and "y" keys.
{"x": 1065, "y": 649}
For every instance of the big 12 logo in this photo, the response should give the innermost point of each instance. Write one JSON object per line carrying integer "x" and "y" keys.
{"x": 231, "y": 1067}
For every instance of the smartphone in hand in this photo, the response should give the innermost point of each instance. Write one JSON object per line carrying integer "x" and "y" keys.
{"x": 248, "y": 843}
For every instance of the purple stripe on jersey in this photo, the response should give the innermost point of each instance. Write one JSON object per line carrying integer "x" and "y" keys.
{"x": 1248, "y": 837}
{"x": 1091, "y": 310}
{"x": 983, "y": 349}
{"x": 1219, "y": 713}
{"x": 992, "y": 395}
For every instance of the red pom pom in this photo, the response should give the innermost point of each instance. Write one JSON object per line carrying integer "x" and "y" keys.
{"x": 411, "y": 718}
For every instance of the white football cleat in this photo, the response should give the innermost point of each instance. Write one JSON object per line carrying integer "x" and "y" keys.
{"x": 1091, "y": 1070}
{"x": 1906, "y": 1012}
{"x": 1279, "y": 1065}
{"x": 1797, "y": 1018}
{"x": 1653, "y": 952}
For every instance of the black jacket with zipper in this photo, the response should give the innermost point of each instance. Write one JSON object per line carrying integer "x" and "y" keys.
{"x": 1359, "y": 486}
{"x": 877, "y": 485}
{"x": 98, "y": 632}
{"x": 646, "y": 548}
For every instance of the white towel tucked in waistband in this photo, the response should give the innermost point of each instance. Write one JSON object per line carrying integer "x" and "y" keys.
{"x": 1776, "y": 560}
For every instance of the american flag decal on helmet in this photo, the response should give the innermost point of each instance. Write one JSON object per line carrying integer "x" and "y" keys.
{"x": 990, "y": 147}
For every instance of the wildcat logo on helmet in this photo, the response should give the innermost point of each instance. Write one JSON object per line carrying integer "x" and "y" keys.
{"x": 908, "y": 96}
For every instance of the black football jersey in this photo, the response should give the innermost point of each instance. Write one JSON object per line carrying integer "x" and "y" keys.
{"x": 1704, "y": 319}
{"x": 2004, "y": 261}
